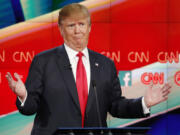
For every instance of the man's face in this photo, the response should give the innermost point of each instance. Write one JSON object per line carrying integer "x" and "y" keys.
{"x": 75, "y": 32}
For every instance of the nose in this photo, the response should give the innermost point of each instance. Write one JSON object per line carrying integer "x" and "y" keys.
{"x": 77, "y": 29}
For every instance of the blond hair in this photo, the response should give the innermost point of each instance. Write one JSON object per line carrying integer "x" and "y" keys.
{"x": 74, "y": 10}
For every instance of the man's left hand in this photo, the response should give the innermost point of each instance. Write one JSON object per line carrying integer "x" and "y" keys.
{"x": 155, "y": 96}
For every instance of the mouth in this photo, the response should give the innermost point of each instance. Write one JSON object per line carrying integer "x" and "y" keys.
{"x": 78, "y": 37}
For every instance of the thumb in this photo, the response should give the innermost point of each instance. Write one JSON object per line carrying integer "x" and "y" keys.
{"x": 151, "y": 85}
{"x": 17, "y": 76}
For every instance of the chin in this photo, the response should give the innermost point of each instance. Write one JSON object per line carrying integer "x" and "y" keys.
{"x": 80, "y": 44}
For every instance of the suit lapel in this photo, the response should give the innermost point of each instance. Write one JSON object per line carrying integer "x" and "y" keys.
{"x": 66, "y": 71}
{"x": 94, "y": 73}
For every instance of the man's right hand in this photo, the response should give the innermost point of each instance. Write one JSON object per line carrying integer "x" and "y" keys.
{"x": 17, "y": 86}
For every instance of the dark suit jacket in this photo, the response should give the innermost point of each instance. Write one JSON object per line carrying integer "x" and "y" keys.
{"x": 52, "y": 93}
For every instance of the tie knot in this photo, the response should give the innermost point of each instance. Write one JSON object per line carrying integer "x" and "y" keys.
{"x": 80, "y": 54}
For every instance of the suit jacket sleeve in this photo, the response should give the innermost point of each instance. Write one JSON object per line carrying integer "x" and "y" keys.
{"x": 120, "y": 106}
{"x": 34, "y": 86}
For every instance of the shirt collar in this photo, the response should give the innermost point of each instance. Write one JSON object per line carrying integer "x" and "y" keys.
{"x": 72, "y": 53}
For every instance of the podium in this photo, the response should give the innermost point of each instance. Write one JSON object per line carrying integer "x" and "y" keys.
{"x": 103, "y": 131}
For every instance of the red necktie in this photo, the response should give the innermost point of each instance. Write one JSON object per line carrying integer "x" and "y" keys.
{"x": 81, "y": 84}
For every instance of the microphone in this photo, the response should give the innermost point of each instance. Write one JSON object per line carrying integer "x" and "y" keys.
{"x": 97, "y": 103}
{"x": 67, "y": 66}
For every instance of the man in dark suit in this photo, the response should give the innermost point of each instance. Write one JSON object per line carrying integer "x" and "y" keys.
{"x": 63, "y": 82}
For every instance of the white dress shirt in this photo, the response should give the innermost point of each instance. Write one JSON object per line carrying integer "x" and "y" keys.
{"x": 73, "y": 59}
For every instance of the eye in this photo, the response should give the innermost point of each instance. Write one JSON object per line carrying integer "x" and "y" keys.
{"x": 81, "y": 24}
{"x": 71, "y": 25}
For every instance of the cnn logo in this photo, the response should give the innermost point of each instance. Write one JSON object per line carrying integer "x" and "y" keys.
{"x": 156, "y": 78}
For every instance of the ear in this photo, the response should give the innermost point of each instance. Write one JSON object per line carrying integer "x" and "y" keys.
{"x": 60, "y": 29}
{"x": 90, "y": 29}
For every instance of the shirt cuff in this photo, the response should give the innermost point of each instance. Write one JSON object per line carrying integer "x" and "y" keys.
{"x": 146, "y": 110}
{"x": 23, "y": 102}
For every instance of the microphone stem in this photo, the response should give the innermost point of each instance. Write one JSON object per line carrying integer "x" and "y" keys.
{"x": 97, "y": 105}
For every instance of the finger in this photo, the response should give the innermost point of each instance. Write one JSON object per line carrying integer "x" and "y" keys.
{"x": 9, "y": 77}
{"x": 165, "y": 87}
{"x": 151, "y": 85}
{"x": 166, "y": 90}
{"x": 17, "y": 76}
{"x": 166, "y": 93}
{"x": 165, "y": 98}
{"x": 11, "y": 81}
